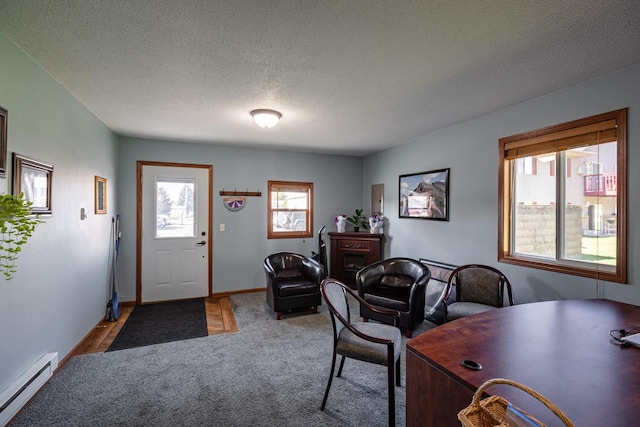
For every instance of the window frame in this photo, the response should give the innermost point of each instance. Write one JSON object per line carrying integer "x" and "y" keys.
{"x": 306, "y": 187}
{"x": 526, "y": 144}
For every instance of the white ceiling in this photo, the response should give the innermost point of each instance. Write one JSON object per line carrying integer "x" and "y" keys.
{"x": 350, "y": 77}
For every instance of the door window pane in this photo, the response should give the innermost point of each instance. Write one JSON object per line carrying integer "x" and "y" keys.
{"x": 175, "y": 208}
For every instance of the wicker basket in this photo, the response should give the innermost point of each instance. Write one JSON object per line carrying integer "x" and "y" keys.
{"x": 492, "y": 411}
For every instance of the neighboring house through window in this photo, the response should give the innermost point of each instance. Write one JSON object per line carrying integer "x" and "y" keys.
{"x": 573, "y": 219}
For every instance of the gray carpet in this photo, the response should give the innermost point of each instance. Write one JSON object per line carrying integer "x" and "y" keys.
{"x": 268, "y": 373}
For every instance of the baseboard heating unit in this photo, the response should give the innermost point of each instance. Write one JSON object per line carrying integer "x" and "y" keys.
{"x": 19, "y": 393}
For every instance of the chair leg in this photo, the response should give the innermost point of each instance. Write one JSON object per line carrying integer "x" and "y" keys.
{"x": 398, "y": 373}
{"x": 315, "y": 309}
{"x": 341, "y": 366}
{"x": 326, "y": 392}
{"x": 278, "y": 315}
{"x": 408, "y": 333}
{"x": 392, "y": 396}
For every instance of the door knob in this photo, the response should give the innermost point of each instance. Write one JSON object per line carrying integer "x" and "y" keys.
{"x": 204, "y": 242}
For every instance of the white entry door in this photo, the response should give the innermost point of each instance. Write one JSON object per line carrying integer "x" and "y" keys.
{"x": 175, "y": 241}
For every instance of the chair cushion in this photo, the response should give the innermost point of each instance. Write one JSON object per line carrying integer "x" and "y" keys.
{"x": 462, "y": 309}
{"x": 293, "y": 287}
{"x": 396, "y": 298}
{"x": 396, "y": 280}
{"x": 288, "y": 273}
{"x": 351, "y": 345}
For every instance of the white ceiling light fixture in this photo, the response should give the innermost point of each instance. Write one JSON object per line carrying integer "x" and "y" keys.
{"x": 266, "y": 118}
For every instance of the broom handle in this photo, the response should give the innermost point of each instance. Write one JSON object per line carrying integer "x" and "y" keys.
{"x": 117, "y": 249}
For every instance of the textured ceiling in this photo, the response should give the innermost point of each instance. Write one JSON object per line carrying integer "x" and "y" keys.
{"x": 350, "y": 77}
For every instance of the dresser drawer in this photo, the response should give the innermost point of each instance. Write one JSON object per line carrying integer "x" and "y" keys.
{"x": 357, "y": 245}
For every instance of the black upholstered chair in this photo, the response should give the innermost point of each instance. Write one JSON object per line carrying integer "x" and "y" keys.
{"x": 479, "y": 288}
{"x": 398, "y": 284}
{"x": 370, "y": 342}
{"x": 293, "y": 282}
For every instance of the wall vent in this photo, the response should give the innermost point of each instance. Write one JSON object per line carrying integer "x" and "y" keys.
{"x": 19, "y": 393}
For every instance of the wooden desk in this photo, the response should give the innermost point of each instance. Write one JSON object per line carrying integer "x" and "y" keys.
{"x": 561, "y": 349}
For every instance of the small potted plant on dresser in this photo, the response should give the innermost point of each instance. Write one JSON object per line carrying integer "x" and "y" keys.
{"x": 358, "y": 220}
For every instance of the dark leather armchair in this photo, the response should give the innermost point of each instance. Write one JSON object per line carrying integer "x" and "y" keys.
{"x": 293, "y": 282}
{"x": 398, "y": 284}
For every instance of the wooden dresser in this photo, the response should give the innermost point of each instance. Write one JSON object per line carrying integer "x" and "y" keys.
{"x": 352, "y": 251}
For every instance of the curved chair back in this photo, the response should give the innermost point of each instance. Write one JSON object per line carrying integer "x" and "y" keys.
{"x": 283, "y": 260}
{"x": 336, "y": 299}
{"x": 480, "y": 284}
{"x": 394, "y": 271}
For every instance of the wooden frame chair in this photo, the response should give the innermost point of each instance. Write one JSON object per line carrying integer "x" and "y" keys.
{"x": 367, "y": 341}
{"x": 478, "y": 288}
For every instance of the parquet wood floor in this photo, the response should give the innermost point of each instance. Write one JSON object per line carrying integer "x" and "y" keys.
{"x": 220, "y": 320}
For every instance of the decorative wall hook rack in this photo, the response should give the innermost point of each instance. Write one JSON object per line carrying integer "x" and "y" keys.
{"x": 241, "y": 193}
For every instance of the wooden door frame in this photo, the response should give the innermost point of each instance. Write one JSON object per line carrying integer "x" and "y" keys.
{"x": 139, "y": 166}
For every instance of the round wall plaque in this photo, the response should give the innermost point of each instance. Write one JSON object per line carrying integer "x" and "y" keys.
{"x": 235, "y": 204}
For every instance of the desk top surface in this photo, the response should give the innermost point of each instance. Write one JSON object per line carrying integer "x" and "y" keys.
{"x": 561, "y": 349}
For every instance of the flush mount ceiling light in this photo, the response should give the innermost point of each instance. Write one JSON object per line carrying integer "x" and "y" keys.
{"x": 266, "y": 118}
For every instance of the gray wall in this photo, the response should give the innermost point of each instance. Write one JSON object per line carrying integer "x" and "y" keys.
{"x": 470, "y": 149}
{"x": 239, "y": 251}
{"x": 60, "y": 290}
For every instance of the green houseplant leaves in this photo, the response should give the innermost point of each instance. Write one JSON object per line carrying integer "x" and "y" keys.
{"x": 17, "y": 224}
{"x": 358, "y": 220}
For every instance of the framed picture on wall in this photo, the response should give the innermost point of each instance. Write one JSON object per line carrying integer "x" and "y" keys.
{"x": 3, "y": 142}
{"x": 34, "y": 179}
{"x": 425, "y": 195}
{"x": 101, "y": 195}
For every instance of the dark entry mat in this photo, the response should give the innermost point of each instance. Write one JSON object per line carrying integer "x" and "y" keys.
{"x": 163, "y": 322}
